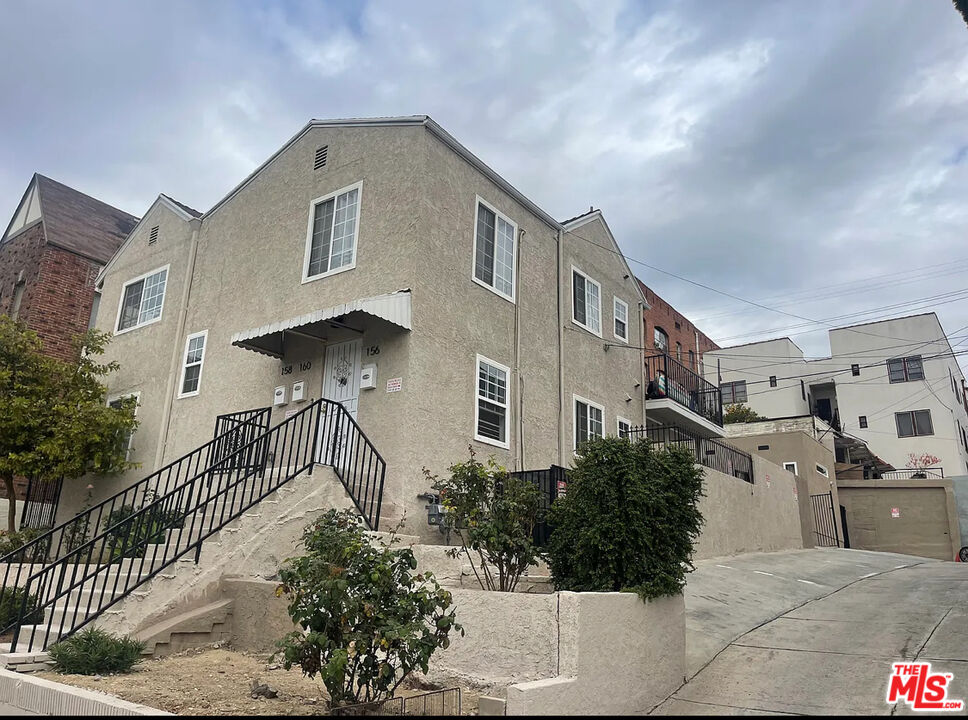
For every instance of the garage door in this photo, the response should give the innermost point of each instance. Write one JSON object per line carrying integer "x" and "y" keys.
{"x": 913, "y": 521}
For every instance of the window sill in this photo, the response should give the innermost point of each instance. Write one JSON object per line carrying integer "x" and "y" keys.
{"x": 188, "y": 395}
{"x": 138, "y": 327}
{"x": 587, "y": 329}
{"x": 493, "y": 289}
{"x": 491, "y": 441}
{"x": 329, "y": 273}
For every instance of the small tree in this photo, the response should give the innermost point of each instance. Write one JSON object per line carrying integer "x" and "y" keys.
{"x": 493, "y": 514}
{"x": 629, "y": 520}
{"x": 740, "y": 413}
{"x": 54, "y": 419}
{"x": 367, "y": 619}
{"x": 922, "y": 462}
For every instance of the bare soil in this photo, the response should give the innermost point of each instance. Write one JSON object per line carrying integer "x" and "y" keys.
{"x": 216, "y": 681}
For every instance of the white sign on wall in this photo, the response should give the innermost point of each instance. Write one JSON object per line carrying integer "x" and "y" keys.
{"x": 290, "y": 413}
{"x": 394, "y": 384}
{"x": 895, "y": 512}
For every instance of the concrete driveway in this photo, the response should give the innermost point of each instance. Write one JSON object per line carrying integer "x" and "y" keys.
{"x": 815, "y": 631}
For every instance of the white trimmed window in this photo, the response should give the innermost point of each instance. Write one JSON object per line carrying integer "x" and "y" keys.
{"x": 624, "y": 427}
{"x": 822, "y": 470}
{"x": 621, "y": 320}
{"x": 491, "y": 418}
{"x": 191, "y": 379}
{"x": 494, "y": 256}
{"x": 791, "y": 466}
{"x": 128, "y": 438}
{"x": 588, "y": 420}
{"x": 334, "y": 222}
{"x": 142, "y": 300}
{"x": 586, "y": 305}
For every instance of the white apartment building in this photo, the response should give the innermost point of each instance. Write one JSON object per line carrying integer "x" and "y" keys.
{"x": 894, "y": 384}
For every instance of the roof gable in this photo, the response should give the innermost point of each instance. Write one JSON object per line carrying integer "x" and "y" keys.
{"x": 596, "y": 216}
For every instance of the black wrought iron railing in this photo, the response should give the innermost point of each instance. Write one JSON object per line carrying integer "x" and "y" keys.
{"x": 551, "y": 483}
{"x": 825, "y": 520}
{"x": 236, "y": 430}
{"x": 913, "y": 474}
{"x": 712, "y": 453}
{"x": 85, "y": 577}
{"x": 668, "y": 378}
{"x": 40, "y": 503}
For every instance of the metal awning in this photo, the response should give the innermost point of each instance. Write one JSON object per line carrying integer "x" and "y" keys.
{"x": 393, "y": 308}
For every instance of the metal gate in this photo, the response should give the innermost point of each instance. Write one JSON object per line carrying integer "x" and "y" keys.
{"x": 551, "y": 483}
{"x": 824, "y": 520}
{"x": 40, "y": 503}
{"x": 238, "y": 430}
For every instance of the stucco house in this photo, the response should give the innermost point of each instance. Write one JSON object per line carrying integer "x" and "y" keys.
{"x": 379, "y": 263}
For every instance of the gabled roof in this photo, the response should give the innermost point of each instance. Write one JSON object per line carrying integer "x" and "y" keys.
{"x": 79, "y": 223}
{"x": 191, "y": 211}
{"x": 591, "y": 216}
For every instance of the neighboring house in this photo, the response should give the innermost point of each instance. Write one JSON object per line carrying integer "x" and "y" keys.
{"x": 50, "y": 254}
{"x": 893, "y": 384}
{"x": 381, "y": 264}
{"x": 669, "y": 331}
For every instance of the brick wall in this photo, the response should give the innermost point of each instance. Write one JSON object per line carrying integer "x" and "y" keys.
{"x": 676, "y": 326}
{"x": 58, "y": 293}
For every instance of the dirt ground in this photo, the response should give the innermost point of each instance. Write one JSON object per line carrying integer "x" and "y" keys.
{"x": 216, "y": 681}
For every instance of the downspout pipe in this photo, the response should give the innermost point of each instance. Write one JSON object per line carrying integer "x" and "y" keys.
{"x": 518, "y": 380}
{"x": 177, "y": 347}
{"x": 561, "y": 353}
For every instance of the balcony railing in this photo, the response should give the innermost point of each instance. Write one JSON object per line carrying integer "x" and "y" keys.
{"x": 714, "y": 454}
{"x": 913, "y": 474}
{"x": 668, "y": 378}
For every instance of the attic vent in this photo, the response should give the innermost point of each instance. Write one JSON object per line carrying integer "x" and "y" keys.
{"x": 321, "y": 157}
{"x": 153, "y": 236}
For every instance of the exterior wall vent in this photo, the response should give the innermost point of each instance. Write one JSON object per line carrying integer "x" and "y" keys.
{"x": 321, "y": 154}
{"x": 153, "y": 236}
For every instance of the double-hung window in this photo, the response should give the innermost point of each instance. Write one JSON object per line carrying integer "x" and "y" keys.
{"x": 334, "y": 222}
{"x": 586, "y": 307}
{"x": 624, "y": 427}
{"x": 494, "y": 256}
{"x": 905, "y": 369}
{"x": 733, "y": 392}
{"x": 588, "y": 421}
{"x": 621, "y": 320}
{"x": 191, "y": 378}
{"x": 914, "y": 423}
{"x": 491, "y": 412}
{"x": 142, "y": 300}
{"x": 126, "y": 439}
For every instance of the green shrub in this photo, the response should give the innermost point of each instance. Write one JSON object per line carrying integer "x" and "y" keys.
{"x": 11, "y": 601}
{"x": 493, "y": 514}
{"x": 628, "y": 521}
{"x": 740, "y": 413}
{"x": 131, "y": 539}
{"x": 95, "y": 652}
{"x": 367, "y": 619}
{"x": 16, "y": 540}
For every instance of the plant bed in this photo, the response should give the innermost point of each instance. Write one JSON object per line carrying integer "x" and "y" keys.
{"x": 218, "y": 681}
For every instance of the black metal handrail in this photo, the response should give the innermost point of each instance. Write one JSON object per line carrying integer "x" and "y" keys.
{"x": 669, "y": 378}
{"x": 178, "y": 521}
{"x": 709, "y": 452}
{"x": 913, "y": 474}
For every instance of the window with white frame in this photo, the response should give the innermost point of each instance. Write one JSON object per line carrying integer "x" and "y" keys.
{"x": 142, "y": 300}
{"x": 913, "y": 423}
{"x": 333, "y": 226}
{"x": 791, "y": 466}
{"x": 621, "y": 320}
{"x": 624, "y": 427}
{"x": 494, "y": 250}
{"x": 733, "y": 392}
{"x": 822, "y": 470}
{"x": 586, "y": 308}
{"x": 491, "y": 413}
{"x": 126, "y": 439}
{"x": 660, "y": 339}
{"x": 192, "y": 365}
{"x": 588, "y": 420}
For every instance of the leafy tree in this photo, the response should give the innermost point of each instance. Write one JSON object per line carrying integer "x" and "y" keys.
{"x": 493, "y": 514}
{"x": 629, "y": 519}
{"x": 740, "y": 413}
{"x": 54, "y": 419}
{"x": 962, "y": 7}
{"x": 368, "y": 620}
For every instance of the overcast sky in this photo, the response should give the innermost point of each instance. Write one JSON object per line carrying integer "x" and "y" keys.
{"x": 768, "y": 149}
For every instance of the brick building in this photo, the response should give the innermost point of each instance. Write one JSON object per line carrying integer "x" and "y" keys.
{"x": 668, "y": 330}
{"x": 50, "y": 255}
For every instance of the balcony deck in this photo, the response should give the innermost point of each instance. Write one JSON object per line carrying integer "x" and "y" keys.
{"x": 678, "y": 396}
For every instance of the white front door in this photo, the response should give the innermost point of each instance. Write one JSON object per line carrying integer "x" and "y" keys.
{"x": 341, "y": 374}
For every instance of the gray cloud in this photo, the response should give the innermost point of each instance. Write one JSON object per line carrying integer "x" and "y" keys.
{"x": 761, "y": 148}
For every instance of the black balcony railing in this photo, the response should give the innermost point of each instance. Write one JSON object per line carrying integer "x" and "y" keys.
{"x": 714, "y": 454}
{"x": 913, "y": 474}
{"x": 668, "y": 378}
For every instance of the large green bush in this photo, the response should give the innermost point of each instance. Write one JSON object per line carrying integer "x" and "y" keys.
{"x": 11, "y": 602}
{"x": 368, "y": 620}
{"x": 628, "y": 521}
{"x": 493, "y": 514}
{"x": 95, "y": 652}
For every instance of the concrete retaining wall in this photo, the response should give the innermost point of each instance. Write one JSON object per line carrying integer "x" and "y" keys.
{"x": 45, "y": 697}
{"x": 741, "y": 517}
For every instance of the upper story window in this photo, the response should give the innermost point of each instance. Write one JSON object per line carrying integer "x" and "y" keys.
{"x": 733, "y": 392}
{"x": 494, "y": 255}
{"x": 914, "y": 423}
{"x": 586, "y": 308}
{"x": 905, "y": 369}
{"x": 18, "y": 296}
{"x": 679, "y": 352}
{"x": 192, "y": 365}
{"x": 621, "y": 320}
{"x": 588, "y": 420}
{"x": 142, "y": 300}
{"x": 692, "y": 359}
{"x": 660, "y": 338}
{"x": 491, "y": 413}
{"x": 334, "y": 222}
{"x": 822, "y": 470}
